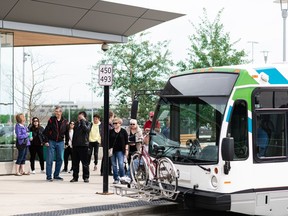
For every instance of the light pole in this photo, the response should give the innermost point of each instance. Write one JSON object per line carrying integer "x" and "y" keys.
{"x": 252, "y": 53}
{"x": 284, "y": 8}
{"x": 70, "y": 103}
{"x": 92, "y": 102}
{"x": 23, "y": 79}
{"x": 265, "y": 53}
{"x": 69, "y": 106}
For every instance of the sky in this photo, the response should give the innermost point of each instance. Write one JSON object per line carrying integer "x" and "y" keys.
{"x": 254, "y": 22}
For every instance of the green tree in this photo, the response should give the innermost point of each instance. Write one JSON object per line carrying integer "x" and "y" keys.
{"x": 211, "y": 46}
{"x": 137, "y": 65}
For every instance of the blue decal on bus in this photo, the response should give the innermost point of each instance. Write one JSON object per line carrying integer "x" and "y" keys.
{"x": 275, "y": 77}
{"x": 249, "y": 125}
{"x": 229, "y": 113}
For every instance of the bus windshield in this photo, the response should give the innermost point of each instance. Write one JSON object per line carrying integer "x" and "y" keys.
{"x": 190, "y": 128}
{"x": 190, "y": 125}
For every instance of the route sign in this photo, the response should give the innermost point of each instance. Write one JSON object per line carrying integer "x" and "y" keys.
{"x": 105, "y": 75}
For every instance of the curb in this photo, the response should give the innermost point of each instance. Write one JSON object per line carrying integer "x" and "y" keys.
{"x": 144, "y": 210}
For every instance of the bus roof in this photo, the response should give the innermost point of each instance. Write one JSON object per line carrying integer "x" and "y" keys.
{"x": 269, "y": 74}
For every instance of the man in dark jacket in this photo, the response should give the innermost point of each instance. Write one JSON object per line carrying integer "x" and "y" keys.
{"x": 80, "y": 144}
{"x": 54, "y": 141}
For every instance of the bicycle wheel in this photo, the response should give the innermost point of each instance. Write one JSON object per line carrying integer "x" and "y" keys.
{"x": 138, "y": 171}
{"x": 167, "y": 177}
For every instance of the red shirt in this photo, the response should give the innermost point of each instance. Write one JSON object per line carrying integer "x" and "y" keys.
{"x": 148, "y": 124}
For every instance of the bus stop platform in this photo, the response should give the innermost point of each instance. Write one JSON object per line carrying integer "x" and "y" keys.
{"x": 33, "y": 195}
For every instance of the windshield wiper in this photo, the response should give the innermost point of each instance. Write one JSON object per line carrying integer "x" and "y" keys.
{"x": 193, "y": 160}
{"x": 204, "y": 168}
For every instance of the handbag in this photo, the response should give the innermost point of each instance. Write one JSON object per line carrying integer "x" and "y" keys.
{"x": 21, "y": 146}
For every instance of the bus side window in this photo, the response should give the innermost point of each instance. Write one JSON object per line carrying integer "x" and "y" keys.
{"x": 238, "y": 129}
{"x": 270, "y": 135}
{"x": 263, "y": 136}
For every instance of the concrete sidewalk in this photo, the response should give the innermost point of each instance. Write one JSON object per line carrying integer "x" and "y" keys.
{"x": 33, "y": 195}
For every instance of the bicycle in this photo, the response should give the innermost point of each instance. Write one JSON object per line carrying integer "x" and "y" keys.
{"x": 160, "y": 171}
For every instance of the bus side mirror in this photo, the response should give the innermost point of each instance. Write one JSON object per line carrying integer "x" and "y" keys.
{"x": 227, "y": 149}
{"x": 134, "y": 109}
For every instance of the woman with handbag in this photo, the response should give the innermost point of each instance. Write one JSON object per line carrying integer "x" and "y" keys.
{"x": 22, "y": 144}
{"x": 118, "y": 140}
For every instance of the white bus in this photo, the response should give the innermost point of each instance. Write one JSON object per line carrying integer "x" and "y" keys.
{"x": 228, "y": 137}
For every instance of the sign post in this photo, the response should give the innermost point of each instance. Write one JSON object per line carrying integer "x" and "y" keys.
{"x": 106, "y": 80}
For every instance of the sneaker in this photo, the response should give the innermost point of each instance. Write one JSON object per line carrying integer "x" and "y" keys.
{"x": 64, "y": 170}
{"x": 58, "y": 178}
{"x": 33, "y": 172}
{"x": 71, "y": 170}
{"x": 116, "y": 182}
{"x": 86, "y": 180}
{"x": 42, "y": 171}
{"x": 125, "y": 180}
{"x": 49, "y": 179}
{"x": 95, "y": 168}
{"x": 74, "y": 180}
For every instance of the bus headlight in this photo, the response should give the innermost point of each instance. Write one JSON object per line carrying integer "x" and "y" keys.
{"x": 214, "y": 181}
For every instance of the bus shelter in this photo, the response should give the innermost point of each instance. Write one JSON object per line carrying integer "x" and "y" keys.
{"x": 60, "y": 22}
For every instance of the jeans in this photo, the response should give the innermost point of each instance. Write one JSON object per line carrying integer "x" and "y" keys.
{"x": 117, "y": 157}
{"x": 136, "y": 164}
{"x": 21, "y": 158}
{"x": 53, "y": 147}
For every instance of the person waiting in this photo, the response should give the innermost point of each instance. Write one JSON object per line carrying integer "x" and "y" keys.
{"x": 36, "y": 147}
{"x": 80, "y": 146}
{"x": 94, "y": 139}
{"x": 68, "y": 151}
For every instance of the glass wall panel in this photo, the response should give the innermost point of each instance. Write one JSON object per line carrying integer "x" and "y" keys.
{"x": 7, "y": 138}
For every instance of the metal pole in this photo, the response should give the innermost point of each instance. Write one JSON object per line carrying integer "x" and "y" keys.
{"x": 23, "y": 82}
{"x": 284, "y": 16}
{"x": 92, "y": 102}
{"x": 252, "y": 53}
{"x": 106, "y": 140}
{"x": 69, "y": 106}
{"x": 69, "y": 113}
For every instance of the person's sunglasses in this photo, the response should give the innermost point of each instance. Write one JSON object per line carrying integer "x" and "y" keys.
{"x": 115, "y": 123}
{"x": 132, "y": 124}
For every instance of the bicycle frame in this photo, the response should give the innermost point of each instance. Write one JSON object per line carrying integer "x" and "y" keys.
{"x": 151, "y": 163}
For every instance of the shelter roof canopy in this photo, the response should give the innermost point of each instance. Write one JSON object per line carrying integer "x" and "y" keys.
{"x": 58, "y": 22}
